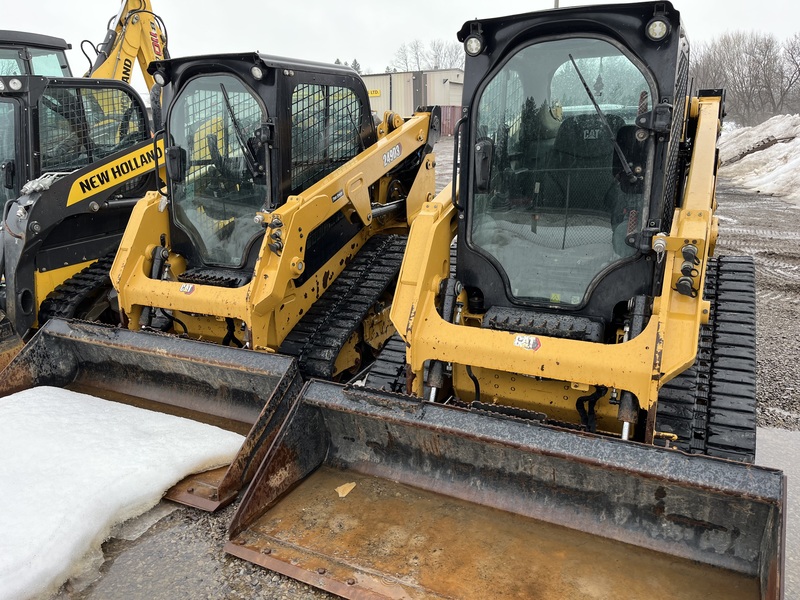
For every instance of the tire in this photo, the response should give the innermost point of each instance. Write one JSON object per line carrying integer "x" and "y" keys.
{"x": 711, "y": 406}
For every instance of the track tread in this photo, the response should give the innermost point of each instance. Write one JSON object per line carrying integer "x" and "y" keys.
{"x": 66, "y": 299}
{"x": 711, "y": 406}
{"x": 388, "y": 372}
{"x": 322, "y": 332}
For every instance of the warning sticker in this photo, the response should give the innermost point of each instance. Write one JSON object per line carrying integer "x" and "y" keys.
{"x": 528, "y": 342}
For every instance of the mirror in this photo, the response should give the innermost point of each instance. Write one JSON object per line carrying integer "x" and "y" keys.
{"x": 484, "y": 149}
{"x": 176, "y": 163}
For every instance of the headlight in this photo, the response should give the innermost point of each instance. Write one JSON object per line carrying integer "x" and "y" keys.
{"x": 15, "y": 84}
{"x": 657, "y": 29}
{"x": 160, "y": 78}
{"x": 257, "y": 72}
{"x": 473, "y": 45}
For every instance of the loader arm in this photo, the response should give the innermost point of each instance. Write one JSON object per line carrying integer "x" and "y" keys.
{"x": 135, "y": 35}
{"x": 272, "y": 304}
{"x": 641, "y": 365}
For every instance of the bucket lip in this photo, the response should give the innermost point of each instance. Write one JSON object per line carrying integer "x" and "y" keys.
{"x": 758, "y": 483}
{"x": 168, "y": 344}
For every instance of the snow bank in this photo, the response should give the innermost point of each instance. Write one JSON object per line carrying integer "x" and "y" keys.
{"x": 73, "y": 466}
{"x": 774, "y": 170}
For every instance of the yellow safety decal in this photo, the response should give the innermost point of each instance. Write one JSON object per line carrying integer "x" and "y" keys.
{"x": 112, "y": 174}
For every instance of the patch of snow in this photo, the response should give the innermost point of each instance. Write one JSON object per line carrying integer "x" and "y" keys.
{"x": 74, "y": 467}
{"x": 772, "y": 171}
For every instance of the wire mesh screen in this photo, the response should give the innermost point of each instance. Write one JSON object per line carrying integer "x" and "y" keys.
{"x": 671, "y": 191}
{"x": 501, "y": 105}
{"x": 78, "y": 126}
{"x": 326, "y": 131}
{"x": 212, "y": 118}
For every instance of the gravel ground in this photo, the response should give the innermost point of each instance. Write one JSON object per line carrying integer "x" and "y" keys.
{"x": 180, "y": 554}
{"x": 768, "y": 229}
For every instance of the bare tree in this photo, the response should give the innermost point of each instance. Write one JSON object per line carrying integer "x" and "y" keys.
{"x": 760, "y": 75}
{"x": 445, "y": 55}
{"x": 415, "y": 56}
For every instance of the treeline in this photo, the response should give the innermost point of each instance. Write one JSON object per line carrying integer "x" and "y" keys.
{"x": 760, "y": 75}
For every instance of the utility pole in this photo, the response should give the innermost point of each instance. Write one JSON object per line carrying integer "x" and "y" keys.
{"x": 555, "y": 3}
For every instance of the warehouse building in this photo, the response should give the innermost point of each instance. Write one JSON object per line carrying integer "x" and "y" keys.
{"x": 404, "y": 91}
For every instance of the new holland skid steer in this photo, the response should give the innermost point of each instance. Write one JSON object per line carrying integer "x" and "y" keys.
{"x": 569, "y": 408}
{"x": 59, "y": 216}
{"x": 60, "y": 212}
{"x": 279, "y": 233}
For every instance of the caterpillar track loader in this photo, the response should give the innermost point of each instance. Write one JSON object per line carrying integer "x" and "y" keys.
{"x": 568, "y": 408}
{"x": 274, "y": 248}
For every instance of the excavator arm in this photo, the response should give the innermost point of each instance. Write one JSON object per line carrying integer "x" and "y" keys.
{"x": 136, "y": 34}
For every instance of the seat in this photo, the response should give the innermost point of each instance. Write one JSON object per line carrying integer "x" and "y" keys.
{"x": 579, "y": 177}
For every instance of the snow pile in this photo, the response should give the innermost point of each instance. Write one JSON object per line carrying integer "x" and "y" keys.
{"x": 774, "y": 170}
{"x": 73, "y": 466}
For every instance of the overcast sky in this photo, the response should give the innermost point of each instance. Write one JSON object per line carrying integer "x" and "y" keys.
{"x": 369, "y": 31}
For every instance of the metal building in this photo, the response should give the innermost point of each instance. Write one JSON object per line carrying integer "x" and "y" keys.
{"x": 404, "y": 91}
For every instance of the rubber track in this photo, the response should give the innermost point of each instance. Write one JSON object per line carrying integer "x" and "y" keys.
{"x": 388, "y": 372}
{"x": 711, "y": 406}
{"x": 66, "y": 299}
{"x": 322, "y": 332}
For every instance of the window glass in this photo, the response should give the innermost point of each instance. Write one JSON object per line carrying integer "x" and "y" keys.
{"x": 216, "y": 122}
{"x": 10, "y": 62}
{"x": 50, "y": 63}
{"x": 553, "y": 202}
{"x": 8, "y": 149}
{"x": 79, "y": 125}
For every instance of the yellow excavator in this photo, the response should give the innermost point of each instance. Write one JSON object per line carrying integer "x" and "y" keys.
{"x": 136, "y": 34}
{"x": 277, "y": 237}
{"x": 568, "y": 409}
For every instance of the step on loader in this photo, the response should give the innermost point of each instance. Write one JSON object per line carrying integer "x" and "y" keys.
{"x": 269, "y": 256}
{"x": 568, "y": 408}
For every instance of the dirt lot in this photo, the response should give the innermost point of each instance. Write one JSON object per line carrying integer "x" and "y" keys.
{"x": 181, "y": 555}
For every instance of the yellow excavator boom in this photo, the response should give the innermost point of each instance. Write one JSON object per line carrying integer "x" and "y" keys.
{"x": 135, "y": 35}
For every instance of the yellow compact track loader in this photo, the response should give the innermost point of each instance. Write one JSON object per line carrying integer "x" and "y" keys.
{"x": 279, "y": 234}
{"x": 568, "y": 410}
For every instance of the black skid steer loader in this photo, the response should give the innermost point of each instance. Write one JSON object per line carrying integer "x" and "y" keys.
{"x": 568, "y": 409}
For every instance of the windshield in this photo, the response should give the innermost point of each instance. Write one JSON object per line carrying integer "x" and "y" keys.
{"x": 553, "y": 202}
{"x": 49, "y": 63}
{"x": 79, "y": 125}
{"x": 8, "y": 148}
{"x": 216, "y": 122}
